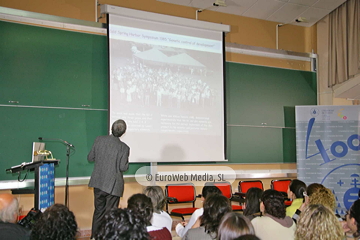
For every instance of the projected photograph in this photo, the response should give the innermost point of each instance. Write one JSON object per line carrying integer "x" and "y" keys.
{"x": 163, "y": 77}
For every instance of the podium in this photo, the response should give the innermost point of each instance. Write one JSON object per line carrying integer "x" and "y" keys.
{"x": 44, "y": 182}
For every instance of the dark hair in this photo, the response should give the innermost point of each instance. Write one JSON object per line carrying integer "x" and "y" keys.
{"x": 215, "y": 207}
{"x": 247, "y": 237}
{"x": 122, "y": 224}
{"x": 314, "y": 187}
{"x": 56, "y": 223}
{"x": 209, "y": 190}
{"x": 298, "y": 188}
{"x": 156, "y": 194}
{"x": 354, "y": 212}
{"x": 253, "y": 196}
{"x": 234, "y": 225}
{"x": 141, "y": 204}
{"x": 118, "y": 128}
{"x": 274, "y": 203}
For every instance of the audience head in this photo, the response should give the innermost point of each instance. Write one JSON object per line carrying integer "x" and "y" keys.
{"x": 141, "y": 204}
{"x": 272, "y": 203}
{"x": 318, "y": 222}
{"x": 56, "y": 223}
{"x": 156, "y": 194}
{"x": 314, "y": 187}
{"x": 247, "y": 237}
{"x": 296, "y": 189}
{"x": 353, "y": 218}
{"x": 9, "y": 207}
{"x": 118, "y": 128}
{"x": 215, "y": 207}
{"x": 234, "y": 225}
{"x": 323, "y": 196}
{"x": 209, "y": 190}
{"x": 122, "y": 224}
{"x": 252, "y": 203}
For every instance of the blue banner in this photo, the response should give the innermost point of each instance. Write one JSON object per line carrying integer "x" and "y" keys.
{"x": 327, "y": 145}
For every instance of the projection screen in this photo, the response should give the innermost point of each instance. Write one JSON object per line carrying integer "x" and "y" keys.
{"x": 167, "y": 82}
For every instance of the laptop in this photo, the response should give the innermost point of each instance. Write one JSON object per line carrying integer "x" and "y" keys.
{"x": 35, "y": 156}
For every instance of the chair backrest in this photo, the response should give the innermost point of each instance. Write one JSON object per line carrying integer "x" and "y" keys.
{"x": 244, "y": 186}
{"x": 182, "y": 192}
{"x": 225, "y": 187}
{"x": 280, "y": 185}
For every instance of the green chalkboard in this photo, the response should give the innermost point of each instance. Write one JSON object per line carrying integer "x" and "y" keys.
{"x": 52, "y": 74}
{"x": 261, "y": 111}
{"x": 60, "y": 80}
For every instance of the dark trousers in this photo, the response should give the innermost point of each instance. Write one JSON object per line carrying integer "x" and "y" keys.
{"x": 103, "y": 203}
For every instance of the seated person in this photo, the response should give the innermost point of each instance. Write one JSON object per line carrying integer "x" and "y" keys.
{"x": 296, "y": 194}
{"x": 56, "y": 223}
{"x": 274, "y": 224}
{"x": 9, "y": 230}
{"x": 182, "y": 228}
{"x": 318, "y": 222}
{"x": 320, "y": 195}
{"x": 142, "y": 204}
{"x": 252, "y": 203}
{"x": 160, "y": 218}
{"x": 247, "y": 237}
{"x": 122, "y": 224}
{"x": 215, "y": 207}
{"x": 352, "y": 218}
{"x": 234, "y": 225}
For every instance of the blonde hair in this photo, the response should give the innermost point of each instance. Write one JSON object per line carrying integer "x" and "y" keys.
{"x": 318, "y": 222}
{"x": 325, "y": 197}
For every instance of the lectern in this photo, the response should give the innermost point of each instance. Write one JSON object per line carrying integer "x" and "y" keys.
{"x": 44, "y": 185}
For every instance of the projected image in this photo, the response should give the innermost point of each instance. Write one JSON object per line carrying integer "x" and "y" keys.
{"x": 163, "y": 77}
{"x": 166, "y": 82}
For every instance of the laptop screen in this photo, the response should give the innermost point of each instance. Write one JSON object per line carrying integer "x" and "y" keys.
{"x": 36, "y": 155}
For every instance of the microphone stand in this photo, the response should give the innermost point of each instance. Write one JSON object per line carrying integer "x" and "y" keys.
{"x": 67, "y": 175}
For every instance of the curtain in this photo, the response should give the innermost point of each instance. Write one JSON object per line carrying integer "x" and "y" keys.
{"x": 344, "y": 42}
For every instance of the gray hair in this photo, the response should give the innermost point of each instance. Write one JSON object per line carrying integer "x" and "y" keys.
{"x": 9, "y": 213}
{"x": 118, "y": 128}
{"x": 157, "y": 197}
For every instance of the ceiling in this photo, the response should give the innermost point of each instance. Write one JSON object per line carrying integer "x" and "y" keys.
{"x": 282, "y": 11}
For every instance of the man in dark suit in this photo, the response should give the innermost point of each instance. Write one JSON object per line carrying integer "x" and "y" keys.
{"x": 111, "y": 157}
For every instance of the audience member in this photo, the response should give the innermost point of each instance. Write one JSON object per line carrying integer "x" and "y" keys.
{"x": 142, "y": 204}
{"x": 215, "y": 207}
{"x": 182, "y": 228}
{"x": 319, "y": 195}
{"x": 318, "y": 222}
{"x": 252, "y": 203}
{"x": 274, "y": 224}
{"x": 314, "y": 187}
{"x": 295, "y": 192}
{"x": 122, "y": 224}
{"x": 234, "y": 225}
{"x": 247, "y": 237}
{"x": 323, "y": 196}
{"x": 56, "y": 223}
{"x": 160, "y": 218}
{"x": 9, "y": 230}
{"x": 352, "y": 218}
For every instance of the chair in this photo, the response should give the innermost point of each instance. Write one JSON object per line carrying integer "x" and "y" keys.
{"x": 244, "y": 186}
{"x": 180, "y": 193}
{"x": 282, "y": 186}
{"x": 225, "y": 188}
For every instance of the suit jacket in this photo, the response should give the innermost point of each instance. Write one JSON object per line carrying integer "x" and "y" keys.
{"x": 111, "y": 157}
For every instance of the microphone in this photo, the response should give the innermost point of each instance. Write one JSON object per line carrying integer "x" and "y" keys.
{"x": 56, "y": 139}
